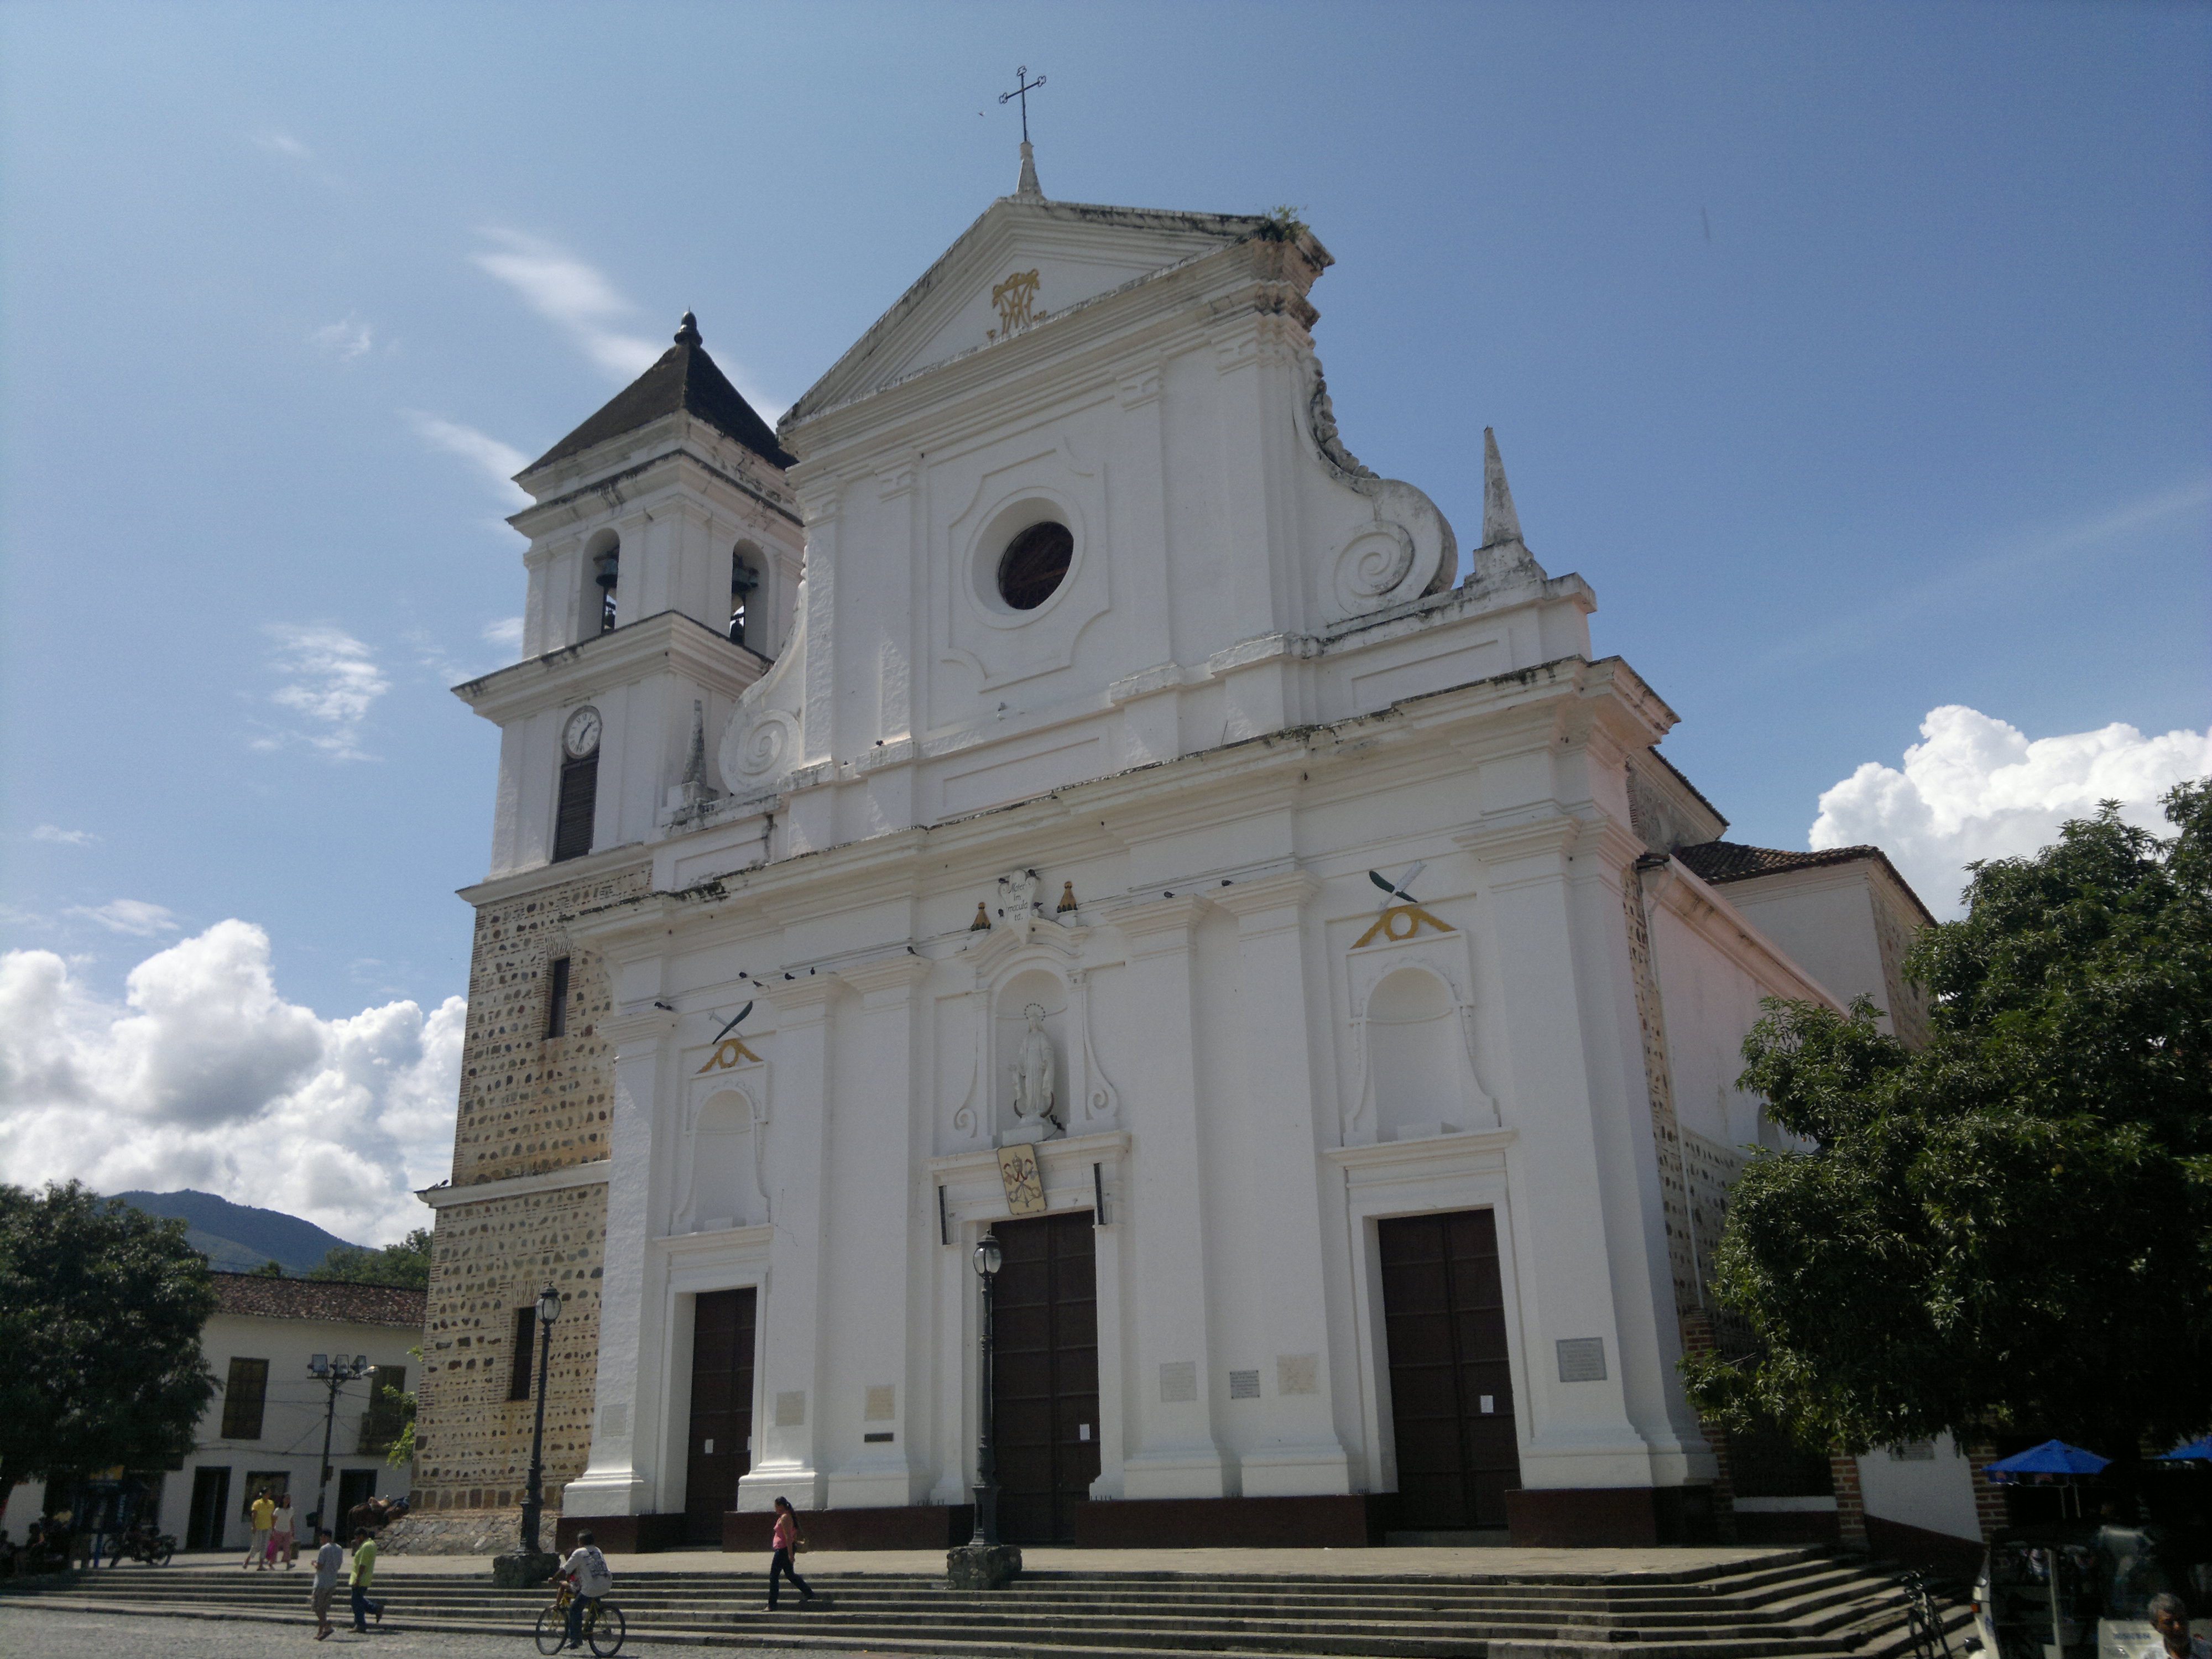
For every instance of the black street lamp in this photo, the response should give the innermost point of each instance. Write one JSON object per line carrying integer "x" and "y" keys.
{"x": 333, "y": 1372}
{"x": 989, "y": 1259}
{"x": 533, "y": 1501}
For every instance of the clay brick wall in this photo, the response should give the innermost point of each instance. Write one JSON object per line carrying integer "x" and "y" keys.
{"x": 529, "y": 1104}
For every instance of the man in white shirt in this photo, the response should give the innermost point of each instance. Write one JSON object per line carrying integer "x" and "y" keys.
{"x": 330, "y": 1561}
{"x": 2169, "y": 1616}
{"x": 588, "y": 1569}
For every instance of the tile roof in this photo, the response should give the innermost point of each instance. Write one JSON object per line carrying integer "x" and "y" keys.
{"x": 685, "y": 378}
{"x": 1718, "y": 861}
{"x": 319, "y": 1298}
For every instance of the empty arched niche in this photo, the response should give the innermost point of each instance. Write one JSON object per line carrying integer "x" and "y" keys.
{"x": 724, "y": 1170}
{"x": 1417, "y": 1057}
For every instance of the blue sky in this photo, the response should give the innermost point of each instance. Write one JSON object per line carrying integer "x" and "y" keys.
{"x": 1857, "y": 354}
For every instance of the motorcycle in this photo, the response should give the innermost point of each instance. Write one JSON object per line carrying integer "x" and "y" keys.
{"x": 142, "y": 1543}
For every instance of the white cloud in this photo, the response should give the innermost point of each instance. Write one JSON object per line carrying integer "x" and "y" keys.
{"x": 134, "y": 916}
{"x": 505, "y": 635}
{"x": 584, "y": 303}
{"x": 61, "y": 837}
{"x": 334, "y": 681}
{"x": 283, "y": 144}
{"x": 575, "y": 296}
{"x": 349, "y": 340}
{"x": 495, "y": 462}
{"x": 206, "y": 1076}
{"x": 1975, "y": 787}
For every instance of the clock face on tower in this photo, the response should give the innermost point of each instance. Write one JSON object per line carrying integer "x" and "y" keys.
{"x": 580, "y": 737}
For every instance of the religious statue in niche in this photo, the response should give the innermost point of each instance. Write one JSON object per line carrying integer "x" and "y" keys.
{"x": 1034, "y": 1083}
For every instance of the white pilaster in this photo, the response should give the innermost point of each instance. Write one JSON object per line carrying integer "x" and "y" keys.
{"x": 1169, "y": 1450}
{"x": 618, "y": 1480}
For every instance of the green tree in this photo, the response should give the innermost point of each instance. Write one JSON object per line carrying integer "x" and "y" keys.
{"x": 406, "y": 1263}
{"x": 2010, "y": 1228}
{"x": 100, "y": 1311}
{"x": 271, "y": 1269}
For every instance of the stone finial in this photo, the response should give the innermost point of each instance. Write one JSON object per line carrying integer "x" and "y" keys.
{"x": 1067, "y": 904}
{"x": 1500, "y": 523}
{"x": 687, "y": 332}
{"x": 982, "y": 922}
{"x": 696, "y": 790}
{"x": 1028, "y": 190}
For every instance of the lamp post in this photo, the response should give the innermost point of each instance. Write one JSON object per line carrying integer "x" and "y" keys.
{"x": 989, "y": 1259}
{"x": 333, "y": 1372}
{"x": 533, "y": 1501}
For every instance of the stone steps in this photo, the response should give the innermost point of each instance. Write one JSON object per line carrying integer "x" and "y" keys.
{"x": 1803, "y": 1607}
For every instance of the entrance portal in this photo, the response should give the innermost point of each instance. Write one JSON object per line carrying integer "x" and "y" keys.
{"x": 1044, "y": 1379}
{"x": 1451, "y": 1386}
{"x": 721, "y": 1451}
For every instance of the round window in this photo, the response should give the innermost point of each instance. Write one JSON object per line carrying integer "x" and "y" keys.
{"x": 1034, "y": 564}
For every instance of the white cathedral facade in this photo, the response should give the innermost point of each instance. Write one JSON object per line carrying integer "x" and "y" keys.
{"x": 1049, "y": 787}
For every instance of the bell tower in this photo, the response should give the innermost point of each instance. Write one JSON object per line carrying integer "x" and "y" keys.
{"x": 664, "y": 564}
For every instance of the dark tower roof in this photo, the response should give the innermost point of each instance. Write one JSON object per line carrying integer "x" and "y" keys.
{"x": 685, "y": 378}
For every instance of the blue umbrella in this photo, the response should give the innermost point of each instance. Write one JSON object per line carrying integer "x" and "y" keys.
{"x": 2051, "y": 1458}
{"x": 2199, "y": 1451}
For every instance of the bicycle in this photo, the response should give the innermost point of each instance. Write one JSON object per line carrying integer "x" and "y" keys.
{"x": 1925, "y": 1619}
{"x": 603, "y": 1627}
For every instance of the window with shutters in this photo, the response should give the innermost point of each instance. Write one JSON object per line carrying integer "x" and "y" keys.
{"x": 525, "y": 1344}
{"x": 580, "y": 798}
{"x": 244, "y": 1395}
{"x": 387, "y": 1413}
{"x": 557, "y": 1000}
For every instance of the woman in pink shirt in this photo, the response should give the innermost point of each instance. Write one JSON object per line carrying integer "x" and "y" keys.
{"x": 786, "y": 1542}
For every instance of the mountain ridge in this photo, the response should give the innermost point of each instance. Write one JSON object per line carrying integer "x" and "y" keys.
{"x": 239, "y": 1237}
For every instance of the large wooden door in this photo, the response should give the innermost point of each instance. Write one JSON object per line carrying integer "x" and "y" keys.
{"x": 1045, "y": 1380}
{"x": 720, "y": 1450}
{"x": 1451, "y": 1386}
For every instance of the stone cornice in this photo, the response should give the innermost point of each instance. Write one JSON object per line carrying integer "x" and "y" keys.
{"x": 584, "y": 493}
{"x": 1255, "y": 896}
{"x": 638, "y": 1026}
{"x": 1382, "y": 1154}
{"x": 494, "y": 890}
{"x": 577, "y": 672}
{"x": 1707, "y": 914}
{"x": 894, "y": 972}
{"x": 593, "y": 1174}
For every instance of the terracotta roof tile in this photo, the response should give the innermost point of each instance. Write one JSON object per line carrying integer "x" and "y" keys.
{"x": 317, "y": 1298}
{"x": 1718, "y": 861}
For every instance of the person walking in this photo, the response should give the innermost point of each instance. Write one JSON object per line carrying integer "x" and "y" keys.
{"x": 263, "y": 1513}
{"x": 364, "y": 1575}
{"x": 588, "y": 1570}
{"x": 329, "y": 1559}
{"x": 786, "y": 1542}
{"x": 280, "y": 1538}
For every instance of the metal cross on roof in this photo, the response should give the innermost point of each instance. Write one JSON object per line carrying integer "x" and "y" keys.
{"x": 1023, "y": 87}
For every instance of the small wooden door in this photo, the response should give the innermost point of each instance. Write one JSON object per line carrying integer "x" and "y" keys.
{"x": 210, "y": 1504}
{"x": 1451, "y": 1384}
{"x": 1044, "y": 1379}
{"x": 721, "y": 1451}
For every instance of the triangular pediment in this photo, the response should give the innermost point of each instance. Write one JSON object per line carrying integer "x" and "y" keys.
{"x": 974, "y": 295}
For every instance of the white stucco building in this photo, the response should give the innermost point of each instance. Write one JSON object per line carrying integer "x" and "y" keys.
{"x": 1391, "y": 982}
{"x": 262, "y": 1428}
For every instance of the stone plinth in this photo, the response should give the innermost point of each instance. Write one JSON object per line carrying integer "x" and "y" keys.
{"x": 522, "y": 1570}
{"x": 983, "y": 1566}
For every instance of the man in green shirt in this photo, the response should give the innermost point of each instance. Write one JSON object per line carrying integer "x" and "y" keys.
{"x": 364, "y": 1574}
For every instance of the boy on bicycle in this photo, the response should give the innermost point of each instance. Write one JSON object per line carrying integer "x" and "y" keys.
{"x": 587, "y": 1570}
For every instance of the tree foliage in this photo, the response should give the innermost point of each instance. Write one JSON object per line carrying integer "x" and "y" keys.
{"x": 406, "y": 1263}
{"x": 102, "y": 1307}
{"x": 2010, "y": 1228}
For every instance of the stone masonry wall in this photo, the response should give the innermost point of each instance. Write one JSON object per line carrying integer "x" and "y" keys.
{"x": 529, "y": 1104}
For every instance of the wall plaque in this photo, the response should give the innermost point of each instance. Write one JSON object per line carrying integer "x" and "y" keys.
{"x": 1582, "y": 1359}
{"x": 1023, "y": 1181}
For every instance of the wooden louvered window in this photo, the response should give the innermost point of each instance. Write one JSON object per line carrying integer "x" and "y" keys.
{"x": 580, "y": 798}
{"x": 526, "y": 1340}
{"x": 557, "y": 1000}
{"x": 245, "y": 1393}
